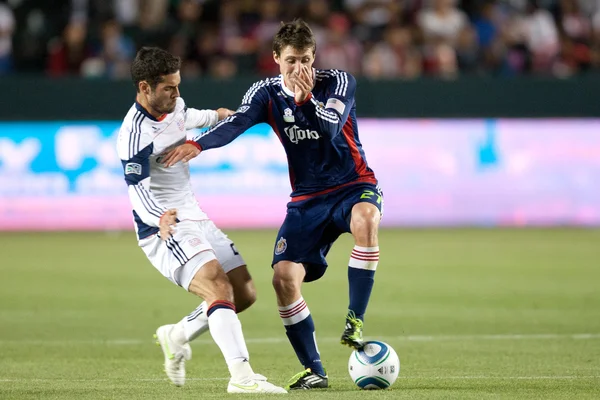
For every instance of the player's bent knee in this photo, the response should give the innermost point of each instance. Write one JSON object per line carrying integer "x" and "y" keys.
{"x": 365, "y": 219}
{"x": 287, "y": 278}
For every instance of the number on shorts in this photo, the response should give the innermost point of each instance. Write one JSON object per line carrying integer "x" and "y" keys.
{"x": 367, "y": 194}
{"x": 235, "y": 252}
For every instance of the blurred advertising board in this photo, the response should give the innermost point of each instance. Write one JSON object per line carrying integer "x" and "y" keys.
{"x": 66, "y": 175}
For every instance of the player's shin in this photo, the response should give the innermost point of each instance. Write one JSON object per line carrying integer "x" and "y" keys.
{"x": 361, "y": 273}
{"x": 300, "y": 330}
{"x": 226, "y": 330}
{"x": 191, "y": 326}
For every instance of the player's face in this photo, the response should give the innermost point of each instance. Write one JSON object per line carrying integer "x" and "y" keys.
{"x": 164, "y": 97}
{"x": 291, "y": 61}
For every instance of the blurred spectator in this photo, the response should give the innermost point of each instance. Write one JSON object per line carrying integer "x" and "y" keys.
{"x": 316, "y": 13}
{"x": 372, "y": 17}
{"x": 541, "y": 37}
{"x": 67, "y": 53}
{"x": 573, "y": 22}
{"x": 377, "y": 38}
{"x": 340, "y": 50}
{"x": 127, "y": 11}
{"x": 115, "y": 53}
{"x": 7, "y": 27}
{"x": 467, "y": 50}
{"x": 443, "y": 21}
{"x": 394, "y": 57}
{"x": 152, "y": 14}
{"x": 222, "y": 67}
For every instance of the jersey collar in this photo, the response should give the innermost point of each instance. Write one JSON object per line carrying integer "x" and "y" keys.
{"x": 141, "y": 109}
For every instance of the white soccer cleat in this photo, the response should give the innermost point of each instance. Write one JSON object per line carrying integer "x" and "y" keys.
{"x": 175, "y": 355}
{"x": 255, "y": 384}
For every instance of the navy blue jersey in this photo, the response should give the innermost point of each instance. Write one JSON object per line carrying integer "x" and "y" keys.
{"x": 320, "y": 136}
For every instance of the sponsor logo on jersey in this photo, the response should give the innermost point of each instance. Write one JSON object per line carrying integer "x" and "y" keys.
{"x": 242, "y": 109}
{"x": 133, "y": 168}
{"x": 296, "y": 134}
{"x": 181, "y": 124}
{"x": 194, "y": 242}
{"x": 281, "y": 246}
{"x": 288, "y": 116}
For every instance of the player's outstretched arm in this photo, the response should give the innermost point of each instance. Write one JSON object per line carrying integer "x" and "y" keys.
{"x": 184, "y": 152}
{"x": 204, "y": 118}
{"x": 252, "y": 111}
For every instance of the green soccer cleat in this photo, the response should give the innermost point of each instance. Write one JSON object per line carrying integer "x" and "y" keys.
{"x": 353, "y": 336}
{"x": 307, "y": 380}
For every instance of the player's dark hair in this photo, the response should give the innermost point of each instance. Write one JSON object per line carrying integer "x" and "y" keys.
{"x": 151, "y": 64}
{"x": 296, "y": 34}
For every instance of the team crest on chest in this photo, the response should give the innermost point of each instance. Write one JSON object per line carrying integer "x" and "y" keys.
{"x": 288, "y": 116}
{"x": 181, "y": 124}
{"x": 281, "y": 246}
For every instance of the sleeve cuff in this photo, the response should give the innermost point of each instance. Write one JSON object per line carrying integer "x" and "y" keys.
{"x": 193, "y": 142}
{"x": 310, "y": 95}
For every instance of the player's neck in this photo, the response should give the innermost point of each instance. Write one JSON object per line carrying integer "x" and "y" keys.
{"x": 141, "y": 100}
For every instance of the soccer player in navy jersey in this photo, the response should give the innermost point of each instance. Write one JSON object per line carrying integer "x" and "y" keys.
{"x": 313, "y": 112}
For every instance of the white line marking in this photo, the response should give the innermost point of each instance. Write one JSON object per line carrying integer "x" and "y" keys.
{"x": 274, "y": 340}
{"x": 458, "y": 377}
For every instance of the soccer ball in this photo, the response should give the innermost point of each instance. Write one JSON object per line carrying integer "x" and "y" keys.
{"x": 375, "y": 366}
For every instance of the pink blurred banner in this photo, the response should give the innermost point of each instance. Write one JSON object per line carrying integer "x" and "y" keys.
{"x": 66, "y": 176}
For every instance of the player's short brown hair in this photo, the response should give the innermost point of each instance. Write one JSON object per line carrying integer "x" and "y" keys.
{"x": 151, "y": 64}
{"x": 296, "y": 34}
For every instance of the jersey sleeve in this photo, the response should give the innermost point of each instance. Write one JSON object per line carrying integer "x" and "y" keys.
{"x": 136, "y": 168}
{"x": 330, "y": 119}
{"x": 199, "y": 118}
{"x": 252, "y": 111}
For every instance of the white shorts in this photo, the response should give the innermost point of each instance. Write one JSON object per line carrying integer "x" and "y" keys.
{"x": 192, "y": 245}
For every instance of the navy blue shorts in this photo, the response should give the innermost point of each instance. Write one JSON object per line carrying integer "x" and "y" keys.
{"x": 312, "y": 225}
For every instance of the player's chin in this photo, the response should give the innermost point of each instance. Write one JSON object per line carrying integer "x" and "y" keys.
{"x": 169, "y": 109}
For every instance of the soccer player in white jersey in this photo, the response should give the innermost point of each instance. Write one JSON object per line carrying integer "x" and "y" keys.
{"x": 173, "y": 231}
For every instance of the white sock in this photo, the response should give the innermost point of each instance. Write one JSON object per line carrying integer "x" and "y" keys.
{"x": 191, "y": 326}
{"x": 226, "y": 330}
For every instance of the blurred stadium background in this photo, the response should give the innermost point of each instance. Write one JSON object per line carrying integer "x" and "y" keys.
{"x": 480, "y": 117}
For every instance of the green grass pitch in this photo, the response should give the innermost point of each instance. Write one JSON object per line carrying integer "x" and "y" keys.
{"x": 473, "y": 314}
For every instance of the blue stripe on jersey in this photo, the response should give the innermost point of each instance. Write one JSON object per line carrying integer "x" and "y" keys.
{"x": 137, "y": 168}
{"x": 143, "y": 230}
{"x": 135, "y": 134}
{"x": 147, "y": 202}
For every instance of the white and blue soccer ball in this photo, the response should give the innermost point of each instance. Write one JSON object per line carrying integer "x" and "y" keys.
{"x": 375, "y": 366}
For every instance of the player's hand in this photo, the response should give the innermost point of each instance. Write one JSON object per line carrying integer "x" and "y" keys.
{"x": 183, "y": 152}
{"x": 224, "y": 113}
{"x": 167, "y": 223}
{"x": 303, "y": 84}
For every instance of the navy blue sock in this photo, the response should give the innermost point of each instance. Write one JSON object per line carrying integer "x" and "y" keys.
{"x": 300, "y": 330}
{"x": 361, "y": 273}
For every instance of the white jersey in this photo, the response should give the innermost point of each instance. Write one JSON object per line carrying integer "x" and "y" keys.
{"x": 153, "y": 189}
